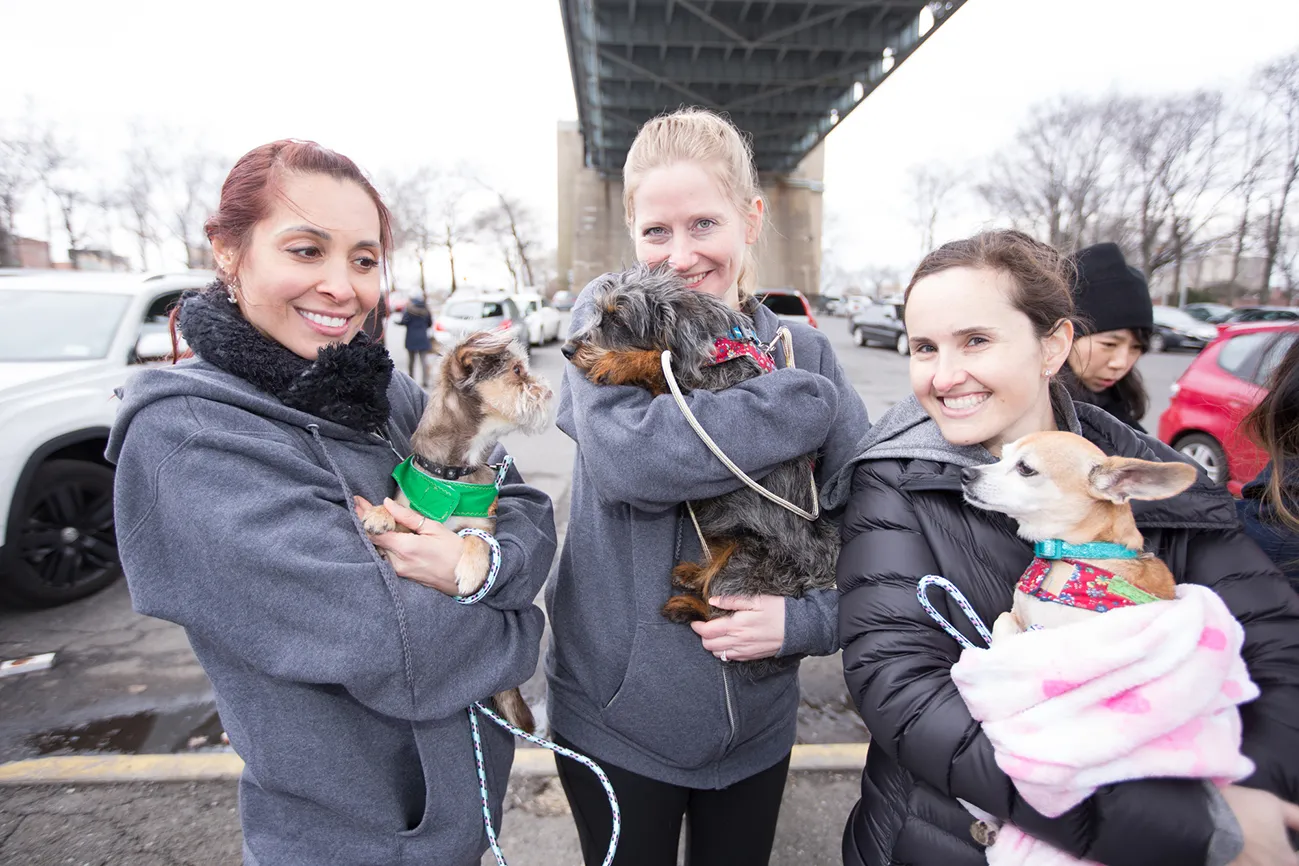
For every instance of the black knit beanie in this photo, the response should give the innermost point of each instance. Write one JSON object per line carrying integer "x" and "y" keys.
{"x": 1109, "y": 295}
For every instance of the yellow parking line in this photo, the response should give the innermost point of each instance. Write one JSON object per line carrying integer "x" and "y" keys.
{"x": 122, "y": 768}
{"x": 105, "y": 769}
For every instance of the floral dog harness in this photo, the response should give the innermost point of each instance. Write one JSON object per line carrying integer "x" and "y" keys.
{"x": 742, "y": 343}
{"x": 1089, "y": 587}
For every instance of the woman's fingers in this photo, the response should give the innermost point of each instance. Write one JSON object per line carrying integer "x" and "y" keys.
{"x": 407, "y": 517}
{"x": 362, "y": 505}
{"x": 736, "y": 602}
{"x": 1290, "y": 813}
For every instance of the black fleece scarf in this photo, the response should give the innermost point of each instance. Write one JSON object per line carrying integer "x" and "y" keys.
{"x": 346, "y": 384}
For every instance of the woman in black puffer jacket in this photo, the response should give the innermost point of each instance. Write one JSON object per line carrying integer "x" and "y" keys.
{"x": 989, "y": 329}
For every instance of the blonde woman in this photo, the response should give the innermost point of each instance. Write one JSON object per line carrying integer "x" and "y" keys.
{"x": 680, "y": 734}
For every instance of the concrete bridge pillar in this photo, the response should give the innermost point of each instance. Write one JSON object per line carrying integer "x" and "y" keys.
{"x": 593, "y": 236}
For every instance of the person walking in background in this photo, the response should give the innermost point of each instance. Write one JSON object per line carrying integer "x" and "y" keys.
{"x": 1269, "y": 505}
{"x": 417, "y": 319}
{"x": 1115, "y": 321}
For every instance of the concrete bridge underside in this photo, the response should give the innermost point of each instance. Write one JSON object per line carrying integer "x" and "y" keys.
{"x": 785, "y": 71}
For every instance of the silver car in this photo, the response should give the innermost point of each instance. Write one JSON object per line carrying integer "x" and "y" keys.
{"x": 463, "y": 316}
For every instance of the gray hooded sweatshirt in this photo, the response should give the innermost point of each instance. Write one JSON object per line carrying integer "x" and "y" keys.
{"x": 342, "y": 686}
{"x": 626, "y": 684}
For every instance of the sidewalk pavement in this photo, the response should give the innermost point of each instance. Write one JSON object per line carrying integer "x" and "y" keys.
{"x": 88, "y": 818}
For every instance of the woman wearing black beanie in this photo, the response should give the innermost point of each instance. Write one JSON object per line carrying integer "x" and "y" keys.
{"x": 1116, "y": 320}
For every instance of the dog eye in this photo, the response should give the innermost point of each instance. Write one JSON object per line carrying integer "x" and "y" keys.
{"x": 518, "y": 369}
{"x": 1024, "y": 469}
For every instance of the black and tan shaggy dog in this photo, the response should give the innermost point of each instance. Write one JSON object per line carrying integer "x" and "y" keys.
{"x": 757, "y": 547}
{"x": 484, "y": 390}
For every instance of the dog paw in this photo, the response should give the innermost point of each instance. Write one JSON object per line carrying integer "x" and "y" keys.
{"x": 686, "y": 575}
{"x": 377, "y": 521}
{"x": 683, "y": 609}
{"x": 1006, "y": 625}
{"x": 471, "y": 570}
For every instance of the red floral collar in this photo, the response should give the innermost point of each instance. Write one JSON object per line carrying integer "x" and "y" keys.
{"x": 1089, "y": 587}
{"x": 726, "y": 350}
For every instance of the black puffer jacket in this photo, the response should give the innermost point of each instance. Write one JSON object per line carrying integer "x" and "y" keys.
{"x": 906, "y": 519}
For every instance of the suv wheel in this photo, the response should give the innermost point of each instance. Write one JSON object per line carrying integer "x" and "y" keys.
{"x": 858, "y": 337}
{"x": 1205, "y": 451}
{"x": 61, "y": 545}
{"x": 903, "y": 345}
{"x": 1157, "y": 342}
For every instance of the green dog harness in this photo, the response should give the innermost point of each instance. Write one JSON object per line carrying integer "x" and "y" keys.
{"x": 440, "y": 500}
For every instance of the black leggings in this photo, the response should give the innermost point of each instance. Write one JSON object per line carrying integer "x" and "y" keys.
{"x": 736, "y": 825}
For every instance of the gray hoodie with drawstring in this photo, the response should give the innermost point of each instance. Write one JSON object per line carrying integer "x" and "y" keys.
{"x": 342, "y": 686}
{"x": 627, "y": 685}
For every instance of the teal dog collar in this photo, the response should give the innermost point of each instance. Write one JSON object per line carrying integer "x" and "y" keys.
{"x": 1054, "y": 548}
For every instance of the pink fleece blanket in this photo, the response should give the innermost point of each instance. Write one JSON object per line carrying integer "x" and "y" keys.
{"x": 1137, "y": 692}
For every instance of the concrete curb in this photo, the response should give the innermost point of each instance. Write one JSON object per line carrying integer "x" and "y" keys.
{"x": 217, "y": 766}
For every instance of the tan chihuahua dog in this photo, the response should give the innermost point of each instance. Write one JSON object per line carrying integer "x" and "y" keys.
{"x": 1069, "y": 497}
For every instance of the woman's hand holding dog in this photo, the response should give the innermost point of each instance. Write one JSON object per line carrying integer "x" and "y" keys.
{"x": 755, "y": 631}
{"x": 1263, "y": 819}
{"x": 427, "y": 554}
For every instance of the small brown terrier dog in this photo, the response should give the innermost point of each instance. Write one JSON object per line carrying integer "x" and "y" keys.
{"x": 484, "y": 390}
{"x": 1057, "y": 485}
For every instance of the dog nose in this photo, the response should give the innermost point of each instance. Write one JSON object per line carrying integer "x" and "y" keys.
{"x": 969, "y": 475}
{"x": 568, "y": 350}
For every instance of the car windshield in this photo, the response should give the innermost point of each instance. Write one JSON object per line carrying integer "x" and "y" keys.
{"x": 473, "y": 310}
{"x": 1171, "y": 317}
{"x": 59, "y": 326}
{"x": 784, "y": 305}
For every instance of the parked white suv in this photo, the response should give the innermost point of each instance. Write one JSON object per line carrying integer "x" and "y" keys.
{"x": 542, "y": 318}
{"x": 70, "y": 339}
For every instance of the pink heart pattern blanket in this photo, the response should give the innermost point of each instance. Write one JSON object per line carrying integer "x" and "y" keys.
{"x": 1137, "y": 692}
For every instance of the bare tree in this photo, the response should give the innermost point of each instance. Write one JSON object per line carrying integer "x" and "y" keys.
{"x": 194, "y": 182}
{"x": 429, "y": 214}
{"x": 452, "y": 226}
{"x": 19, "y": 173}
{"x": 931, "y": 189}
{"x": 1138, "y": 197}
{"x": 407, "y": 197}
{"x": 139, "y": 189}
{"x": 1279, "y": 83}
{"x": 79, "y": 212}
{"x": 1188, "y": 173}
{"x": 513, "y": 226}
{"x": 1252, "y": 148}
{"x": 1050, "y": 180}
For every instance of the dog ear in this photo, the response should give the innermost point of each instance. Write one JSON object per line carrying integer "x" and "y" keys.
{"x": 458, "y": 365}
{"x": 1119, "y": 479}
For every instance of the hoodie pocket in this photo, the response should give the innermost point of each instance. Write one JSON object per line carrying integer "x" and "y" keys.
{"x": 670, "y": 702}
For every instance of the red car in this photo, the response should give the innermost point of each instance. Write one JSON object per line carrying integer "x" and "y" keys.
{"x": 1215, "y": 394}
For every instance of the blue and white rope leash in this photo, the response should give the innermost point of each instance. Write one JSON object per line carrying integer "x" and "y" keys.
{"x": 960, "y": 599}
{"x": 492, "y": 573}
{"x": 546, "y": 744}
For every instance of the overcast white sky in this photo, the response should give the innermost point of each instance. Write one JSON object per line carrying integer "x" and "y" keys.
{"x": 397, "y": 84}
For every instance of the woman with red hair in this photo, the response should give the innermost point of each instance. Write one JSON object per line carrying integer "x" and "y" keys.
{"x": 342, "y": 675}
